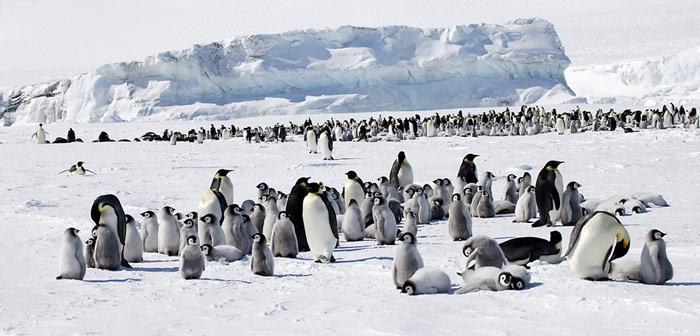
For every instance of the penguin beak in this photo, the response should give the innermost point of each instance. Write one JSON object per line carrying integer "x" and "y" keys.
{"x": 662, "y": 234}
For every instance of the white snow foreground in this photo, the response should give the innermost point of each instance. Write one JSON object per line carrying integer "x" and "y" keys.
{"x": 674, "y": 78}
{"x": 335, "y": 70}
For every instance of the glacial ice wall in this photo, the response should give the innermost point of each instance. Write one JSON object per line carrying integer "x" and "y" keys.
{"x": 347, "y": 69}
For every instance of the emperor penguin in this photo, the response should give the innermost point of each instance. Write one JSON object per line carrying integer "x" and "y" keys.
{"x": 325, "y": 143}
{"x": 311, "y": 141}
{"x": 40, "y": 135}
{"x": 186, "y": 230}
{"x": 475, "y": 200}
{"x": 211, "y": 225}
{"x": 294, "y": 209}
{"x": 107, "y": 210}
{"x": 427, "y": 280}
{"x": 284, "y": 239}
{"x": 485, "y": 208}
{"x": 320, "y": 224}
{"x": 524, "y": 184}
{"x": 560, "y": 126}
{"x": 524, "y": 250}
{"x": 168, "y": 232}
{"x": 549, "y": 191}
{"x": 212, "y": 202}
{"x": 511, "y": 192}
{"x": 401, "y": 173}
{"x": 353, "y": 189}
{"x": 281, "y": 200}
{"x": 149, "y": 228}
{"x": 78, "y": 169}
{"x": 133, "y": 249}
{"x": 436, "y": 210}
{"x": 650, "y": 198}
{"x": 90, "y": 252}
{"x": 222, "y": 253}
{"x": 192, "y": 262}
{"x": 596, "y": 240}
{"x": 484, "y": 251}
{"x": 467, "y": 169}
{"x": 411, "y": 222}
{"x": 424, "y": 214}
{"x": 222, "y": 183}
{"x": 407, "y": 259}
{"x": 571, "y": 211}
{"x": 655, "y": 268}
{"x": 71, "y": 261}
{"x": 353, "y": 226}
{"x": 106, "y": 243}
{"x": 459, "y": 221}
{"x": 384, "y": 221}
{"x": 366, "y": 208}
{"x": 271, "y": 212}
{"x": 173, "y": 139}
{"x": 524, "y": 208}
{"x": 485, "y": 278}
{"x": 263, "y": 189}
{"x": 389, "y": 190}
{"x": 486, "y": 181}
{"x": 262, "y": 262}
{"x": 257, "y": 217}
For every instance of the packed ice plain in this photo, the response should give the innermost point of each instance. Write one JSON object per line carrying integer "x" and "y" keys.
{"x": 356, "y": 295}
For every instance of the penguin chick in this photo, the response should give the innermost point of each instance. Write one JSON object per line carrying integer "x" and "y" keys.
{"x": 656, "y": 269}
{"x": 427, "y": 280}
{"x": 262, "y": 262}
{"x": 222, "y": 252}
{"x": 484, "y": 278}
{"x": 407, "y": 259}
{"x": 484, "y": 251}
{"x": 71, "y": 260}
{"x": 192, "y": 260}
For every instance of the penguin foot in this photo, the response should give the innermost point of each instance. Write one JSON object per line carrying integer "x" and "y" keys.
{"x": 59, "y": 277}
{"x": 538, "y": 223}
{"x": 126, "y": 264}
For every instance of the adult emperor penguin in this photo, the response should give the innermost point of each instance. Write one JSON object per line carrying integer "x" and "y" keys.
{"x": 106, "y": 245}
{"x": 284, "y": 239}
{"x": 427, "y": 280}
{"x": 459, "y": 221}
{"x": 524, "y": 250}
{"x": 149, "y": 226}
{"x": 320, "y": 224}
{"x": 40, "y": 135}
{"x": 655, "y": 268}
{"x": 295, "y": 209}
{"x": 596, "y": 240}
{"x": 353, "y": 189}
{"x": 262, "y": 262}
{"x": 133, "y": 247}
{"x": 212, "y": 202}
{"x": 192, "y": 262}
{"x": 467, "y": 170}
{"x": 407, "y": 259}
{"x": 311, "y": 141}
{"x": 222, "y": 183}
{"x": 168, "y": 232}
{"x": 71, "y": 261}
{"x": 353, "y": 225}
{"x": 571, "y": 211}
{"x": 549, "y": 191}
{"x": 401, "y": 173}
{"x": 384, "y": 221}
{"x": 325, "y": 144}
{"x": 77, "y": 169}
{"x": 511, "y": 192}
{"x": 107, "y": 210}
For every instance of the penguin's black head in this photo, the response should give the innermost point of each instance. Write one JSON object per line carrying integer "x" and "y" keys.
{"x": 656, "y": 235}
{"x": 90, "y": 241}
{"x": 555, "y": 237}
{"x": 438, "y": 201}
{"x": 192, "y": 215}
{"x": 553, "y": 164}
{"x": 484, "y": 194}
{"x": 382, "y": 180}
{"x": 490, "y": 174}
{"x": 520, "y": 180}
{"x": 206, "y": 249}
{"x": 189, "y": 223}
{"x": 408, "y": 237}
{"x": 223, "y": 172}
{"x": 505, "y": 279}
{"x": 351, "y": 174}
{"x": 409, "y": 287}
{"x": 80, "y": 163}
{"x": 168, "y": 210}
{"x": 104, "y": 202}
{"x": 208, "y": 218}
{"x": 179, "y": 216}
{"x": 246, "y": 218}
{"x": 531, "y": 189}
{"x": 282, "y": 214}
{"x": 456, "y": 197}
{"x": 72, "y": 231}
{"x": 511, "y": 177}
{"x": 516, "y": 283}
{"x": 314, "y": 188}
{"x": 129, "y": 219}
{"x": 281, "y": 195}
{"x": 368, "y": 194}
{"x": 402, "y": 156}
{"x": 191, "y": 240}
{"x": 427, "y": 187}
{"x": 378, "y": 200}
{"x": 446, "y": 182}
{"x": 263, "y": 185}
{"x": 437, "y": 181}
{"x": 480, "y": 188}
{"x": 263, "y": 198}
{"x": 470, "y": 157}
{"x": 303, "y": 181}
{"x": 377, "y": 194}
{"x": 258, "y": 238}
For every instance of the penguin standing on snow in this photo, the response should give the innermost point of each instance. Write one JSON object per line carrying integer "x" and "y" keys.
{"x": 401, "y": 173}
{"x": 71, "y": 260}
{"x": 284, "y": 239}
{"x": 295, "y": 208}
{"x": 222, "y": 183}
{"x": 549, "y": 190}
{"x": 325, "y": 143}
{"x": 655, "y": 268}
{"x": 192, "y": 262}
{"x": 262, "y": 262}
{"x": 407, "y": 259}
{"x": 467, "y": 169}
{"x": 353, "y": 189}
{"x": 571, "y": 211}
{"x": 320, "y": 224}
{"x": 133, "y": 247}
{"x": 107, "y": 210}
{"x": 150, "y": 231}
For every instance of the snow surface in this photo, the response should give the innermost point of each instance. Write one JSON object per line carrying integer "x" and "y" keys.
{"x": 347, "y": 69}
{"x": 355, "y": 295}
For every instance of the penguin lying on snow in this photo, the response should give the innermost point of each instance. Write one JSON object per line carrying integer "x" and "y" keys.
{"x": 427, "y": 280}
{"x": 524, "y": 250}
{"x": 77, "y": 169}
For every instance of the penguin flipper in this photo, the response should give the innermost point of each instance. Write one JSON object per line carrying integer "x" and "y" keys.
{"x": 394, "y": 173}
{"x": 576, "y": 232}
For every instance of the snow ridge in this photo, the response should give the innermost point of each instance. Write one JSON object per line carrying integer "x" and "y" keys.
{"x": 347, "y": 69}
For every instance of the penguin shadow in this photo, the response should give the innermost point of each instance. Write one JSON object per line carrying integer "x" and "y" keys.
{"x": 155, "y": 269}
{"x": 225, "y": 280}
{"x": 353, "y": 248}
{"x": 533, "y": 285}
{"x": 112, "y": 280}
{"x": 291, "y": 275}
{"x": 682, "y": 284}
{"x": 347, "y": 261}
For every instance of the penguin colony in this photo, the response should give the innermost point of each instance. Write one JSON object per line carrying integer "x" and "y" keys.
{"x": 391, "y": 212}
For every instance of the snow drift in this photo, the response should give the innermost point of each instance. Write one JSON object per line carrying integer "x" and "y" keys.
{"x": 335, "y": 70}
{"x": 674, "y": 78}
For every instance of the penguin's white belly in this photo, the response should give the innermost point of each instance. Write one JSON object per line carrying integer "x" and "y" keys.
{"x": 323, "y": 144}
{"x": 588, "y": 259}
{"x": 311, "y": 142}
{"x": 554, "y": 214}
{"x": 318, "y": 230}
{"x": 40, "y": 136}
{"x": 209, "y": 204}
{"x": 353, "y": 190}
{"x": 226, "y": 189}
{"x": 405, "y": 175}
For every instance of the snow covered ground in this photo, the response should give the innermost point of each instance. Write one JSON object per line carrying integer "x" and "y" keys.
{"x": 355, "y": 295}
